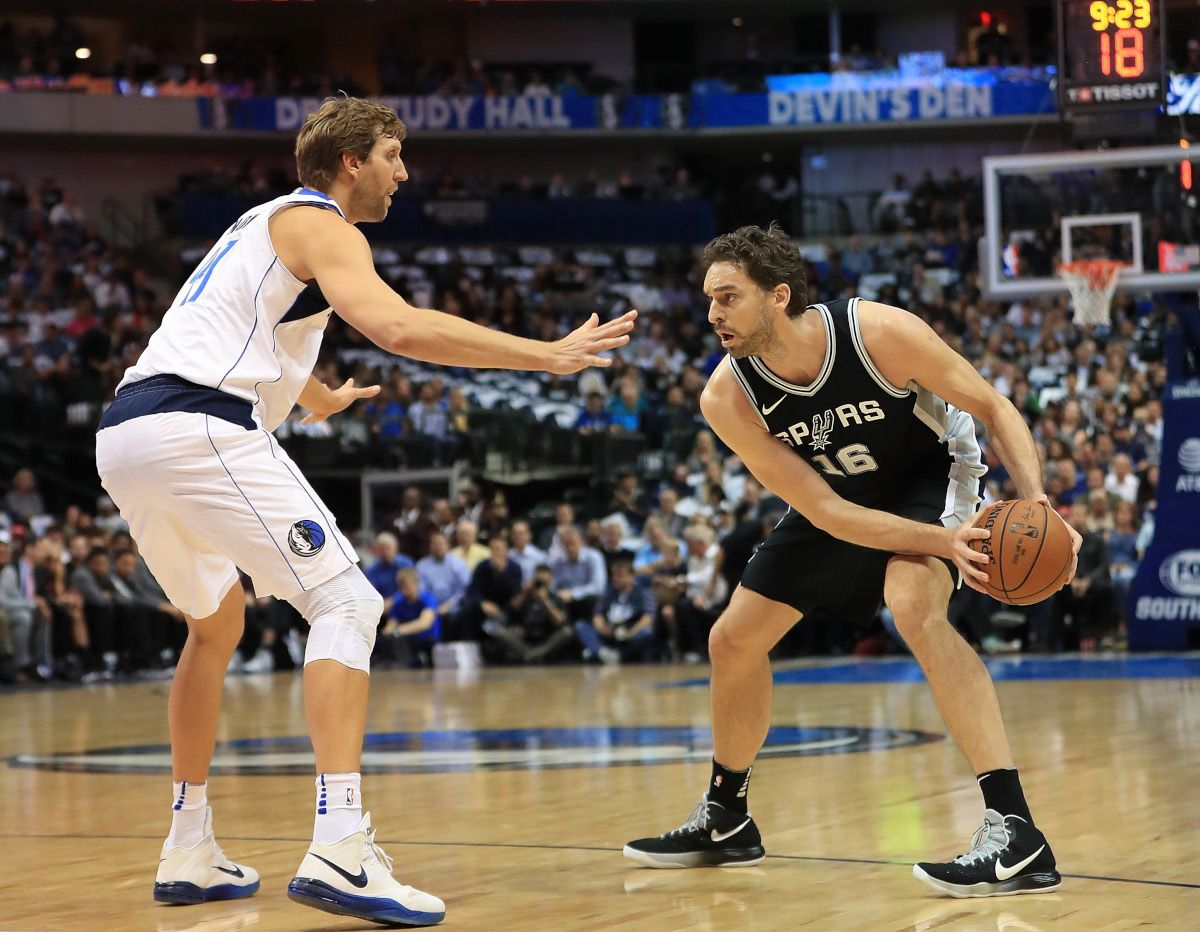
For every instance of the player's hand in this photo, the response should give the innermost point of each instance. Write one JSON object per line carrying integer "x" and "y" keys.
{"x": 966, "y": 559}
{"x": 1076, "y": 539}
{"x": 339, "y": 399}
{"x": 581, "y": 348}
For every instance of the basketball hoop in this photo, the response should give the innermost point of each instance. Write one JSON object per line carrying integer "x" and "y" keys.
{"x": 1092, "y": 283}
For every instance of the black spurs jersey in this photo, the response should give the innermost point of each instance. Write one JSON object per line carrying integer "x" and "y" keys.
{"x": 865, "y": 436}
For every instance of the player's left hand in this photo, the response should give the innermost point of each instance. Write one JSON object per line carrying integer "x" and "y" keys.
{"x": 1076, "y": 539}
{"x": 582, "y": 346}
{"x": 339, "y": 399}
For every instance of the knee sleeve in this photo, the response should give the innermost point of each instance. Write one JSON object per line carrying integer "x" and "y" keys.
{"x": 343, "y": 614}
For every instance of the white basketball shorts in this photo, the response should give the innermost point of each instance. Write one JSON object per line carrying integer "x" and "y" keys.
{"x": 204, "y": 497}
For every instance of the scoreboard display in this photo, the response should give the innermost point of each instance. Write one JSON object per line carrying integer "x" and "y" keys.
{"x": 1110, "y": 55}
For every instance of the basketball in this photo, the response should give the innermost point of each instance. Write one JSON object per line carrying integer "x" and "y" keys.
{"x": 1030, "y": 550}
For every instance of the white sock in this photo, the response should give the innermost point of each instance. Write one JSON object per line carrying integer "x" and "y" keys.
{"x": 189, "y": 805}
{"x": 339, "y": 806}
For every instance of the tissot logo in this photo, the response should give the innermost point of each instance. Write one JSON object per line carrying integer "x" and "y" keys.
{"x": 492, "y": 749}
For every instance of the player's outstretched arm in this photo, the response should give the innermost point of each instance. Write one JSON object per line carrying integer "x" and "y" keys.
{"x": 905, "y": 349}
{"x": 773, "y": 464}
{"x": 317, "y": 244}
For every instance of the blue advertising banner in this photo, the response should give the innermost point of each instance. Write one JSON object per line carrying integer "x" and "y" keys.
{"x": 792, "y": 100}
{"x": 841, "y": 99}
{"x": 1164, "y": 600}
{"x": 533, "y": 112}
{"x": 888, "y": 97}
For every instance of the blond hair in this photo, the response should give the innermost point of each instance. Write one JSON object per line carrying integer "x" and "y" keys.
{"x": 342, "y": 124}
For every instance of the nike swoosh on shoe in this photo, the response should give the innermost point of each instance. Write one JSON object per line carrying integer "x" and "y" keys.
{"x": 236, "y": 872}
{"x": 360, "y": 881}
{"x": 719, "y": 837}
{"x": 1007, "y": 873}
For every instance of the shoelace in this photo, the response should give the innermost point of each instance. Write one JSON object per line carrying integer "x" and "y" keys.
{"x": 991, "y": 838}
{"x": 376, "y": 852}
{"x": 697, "y": 821}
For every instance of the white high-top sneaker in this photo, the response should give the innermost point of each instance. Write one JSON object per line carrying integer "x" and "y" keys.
{"x": 353, "y": 877}
{"x": 187, "y": 876}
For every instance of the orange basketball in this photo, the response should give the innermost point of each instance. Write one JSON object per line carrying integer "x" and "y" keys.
{"x": 1030, "y": 550}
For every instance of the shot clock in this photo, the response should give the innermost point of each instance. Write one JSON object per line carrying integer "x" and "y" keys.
{"x": 1110, "y": 55}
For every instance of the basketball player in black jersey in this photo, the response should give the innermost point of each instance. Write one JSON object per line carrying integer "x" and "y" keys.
{"x": 859, "y": 417}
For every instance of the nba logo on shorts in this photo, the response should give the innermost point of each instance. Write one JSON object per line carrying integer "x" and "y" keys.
{"x": 306, "y": 538}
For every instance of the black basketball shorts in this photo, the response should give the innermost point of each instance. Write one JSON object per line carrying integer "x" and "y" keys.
{"x": 803, "y": 566}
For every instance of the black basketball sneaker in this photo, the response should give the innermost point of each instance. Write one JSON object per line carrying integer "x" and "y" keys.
{"x": 1008, "y": 855}
{"x": 712, "y": 837}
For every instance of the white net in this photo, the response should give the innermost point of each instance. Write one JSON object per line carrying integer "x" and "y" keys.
{"x": 1092, "y": 283}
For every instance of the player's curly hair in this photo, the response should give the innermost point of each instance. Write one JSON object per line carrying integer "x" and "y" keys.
{"x": 342, "y": 124}
{"x": 768, "y": 257}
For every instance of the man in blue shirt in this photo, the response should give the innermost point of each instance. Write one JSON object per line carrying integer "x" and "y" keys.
{"x": 443, "y": 575}
{"x": 579, "y": 574}
{"x": 413, "y": 625}
{"x": 388, "y": 562}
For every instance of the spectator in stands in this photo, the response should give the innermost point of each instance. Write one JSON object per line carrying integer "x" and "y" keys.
{"x": 107, "y": 517}
{"x": 494, "y": 584}
{"x": 430, "y": 420}
{"x": 1122, "y": 545}
{"x": 705, "y": 593}
{"x": 671, "y": 521}
{"x": 579, "y": 574}
{"x": 23, "y": 500}
{"x": 1122, "y": 481}
{"x": 18, "y": 606}
{"x": 387, "y": 563}
{"x": 622, "y": 627}
{"x": 612, "y": 543}
{"x": 594, "y": 416}
{"x": 551, "y": 540}
{"x": 1087, "y": 601}
{"x": 93, "y": 581}
{"x": 536, "y": 628}
{"x": 668, "y": 585}
{"x": 626, "y": 505}
{"x": 412, "y": 624}
{"x": 140, "y": 593}
{"x": 444, "y": 576}
{"x": 413, "y": 525}
{"x": 626, "y": 408}
{"x": 466, "y": 544}
{"x": 526, "y": 555}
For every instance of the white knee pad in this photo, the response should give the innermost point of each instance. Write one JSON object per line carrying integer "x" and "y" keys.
{"x": 343, "y": 615}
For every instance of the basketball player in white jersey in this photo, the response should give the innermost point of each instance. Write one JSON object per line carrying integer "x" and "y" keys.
{"x": 186, "y": 452}
{"x": 859, "y": 417}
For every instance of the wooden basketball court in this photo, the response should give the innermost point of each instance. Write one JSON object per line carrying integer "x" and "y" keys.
{"x": 509, "y": 792}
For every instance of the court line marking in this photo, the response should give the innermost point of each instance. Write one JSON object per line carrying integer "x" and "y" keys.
{"x": 488, "y": 844}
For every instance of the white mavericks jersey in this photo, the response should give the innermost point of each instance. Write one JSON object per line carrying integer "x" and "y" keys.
{"x": 242, "y": 323}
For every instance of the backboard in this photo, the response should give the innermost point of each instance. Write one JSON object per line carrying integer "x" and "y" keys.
{"x": 1134, "y": 205}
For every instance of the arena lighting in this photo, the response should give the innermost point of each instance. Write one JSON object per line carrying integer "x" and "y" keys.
{"x": 83, "y": 53}
{"x": 208, "y": 58}
{"x": 737, "y": 21}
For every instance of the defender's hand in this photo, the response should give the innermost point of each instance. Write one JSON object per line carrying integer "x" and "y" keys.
{"x": 580, "y": 348}
{"x": 339, "y": 399}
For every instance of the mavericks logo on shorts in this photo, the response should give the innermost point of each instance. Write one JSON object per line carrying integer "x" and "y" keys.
{"x": 306, "y": 538}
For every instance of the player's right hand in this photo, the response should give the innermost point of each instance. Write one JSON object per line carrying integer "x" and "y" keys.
{"x": 581, "y": 348}
{"x": 966, "y": 559}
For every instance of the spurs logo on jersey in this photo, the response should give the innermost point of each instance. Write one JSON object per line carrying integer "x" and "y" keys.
{"x": 822, "y": 428}
{"x": 863, "y": 434}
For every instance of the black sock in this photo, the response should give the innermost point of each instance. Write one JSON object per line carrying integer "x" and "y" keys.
{"x": 1002, "y": 792}
{"x": 729, "y": 787}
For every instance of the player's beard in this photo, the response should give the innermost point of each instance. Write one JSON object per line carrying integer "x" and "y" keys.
{"x": 760, "y": 342}
{"x": 371, "y": 206}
